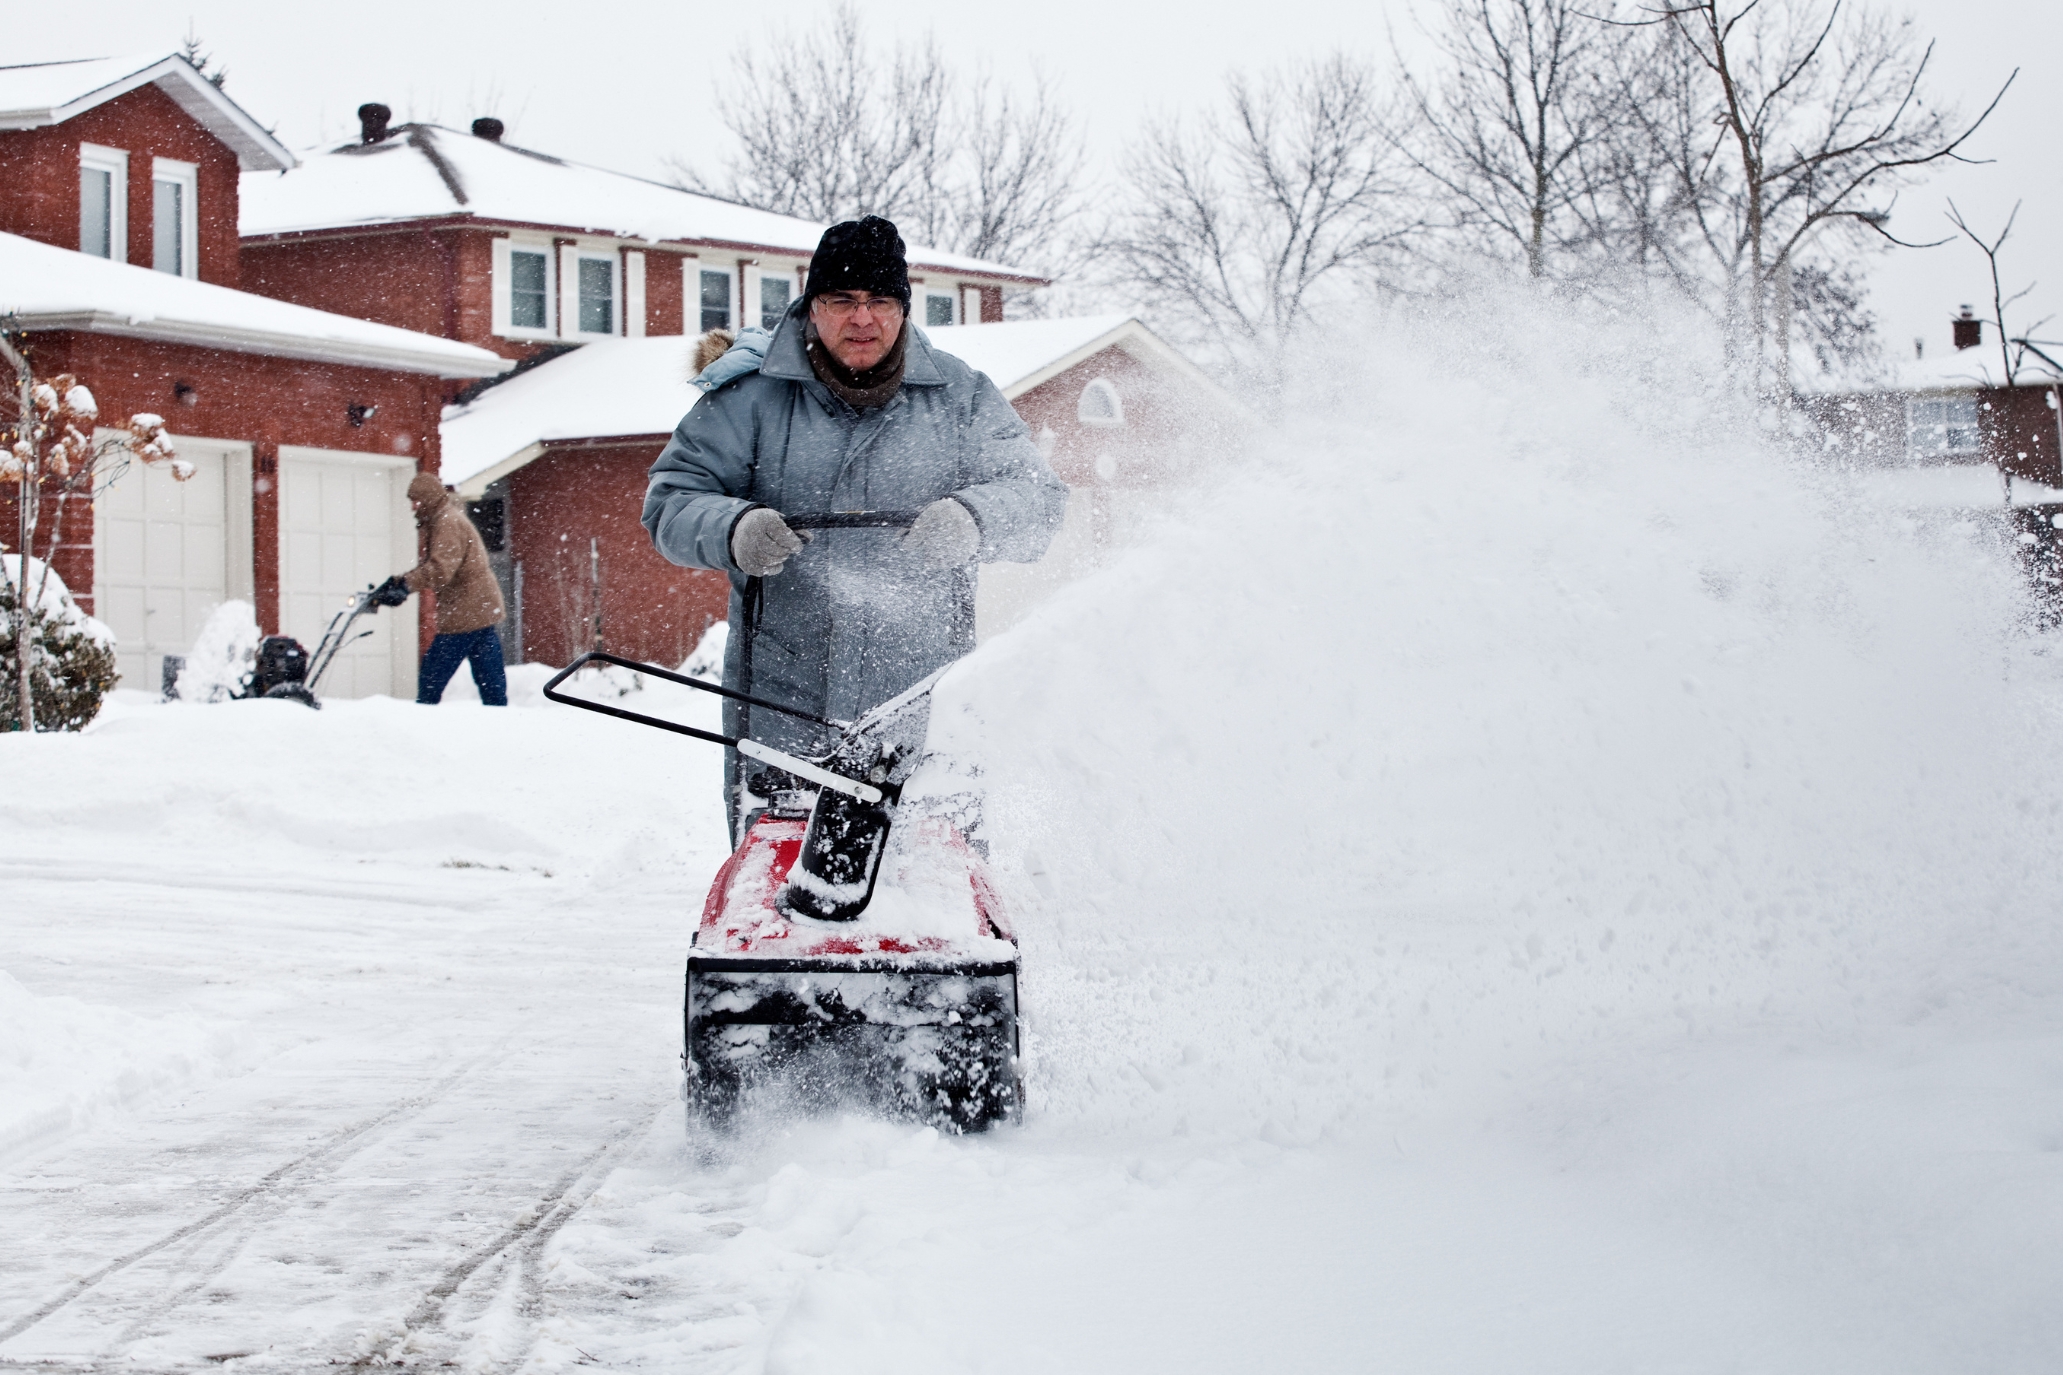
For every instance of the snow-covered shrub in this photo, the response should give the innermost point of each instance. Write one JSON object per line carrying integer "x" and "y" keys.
{"x": 73, "y": 663}
{"x": 224, "y": 655}
{"x": 706, "y": 662}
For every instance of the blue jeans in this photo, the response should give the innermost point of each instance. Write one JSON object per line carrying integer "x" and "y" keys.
{"x": 482, "y": 649}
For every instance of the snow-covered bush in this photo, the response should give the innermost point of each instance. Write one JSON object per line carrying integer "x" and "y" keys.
{"x": 224, "y": 655}
{"x": 72, "y": 666}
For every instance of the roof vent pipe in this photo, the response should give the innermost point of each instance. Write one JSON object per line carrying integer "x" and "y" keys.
{"x": 1969, "y": 330}
{"x": 372, "y": 123}
{"x": 488, "y": 128}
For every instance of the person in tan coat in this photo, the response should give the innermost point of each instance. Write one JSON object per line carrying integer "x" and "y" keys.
{"x": 454, "y": 566}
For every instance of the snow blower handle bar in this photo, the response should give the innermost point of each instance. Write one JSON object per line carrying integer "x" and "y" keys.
{"x": 751, "y": 749}
{"x": 852, "y": 520}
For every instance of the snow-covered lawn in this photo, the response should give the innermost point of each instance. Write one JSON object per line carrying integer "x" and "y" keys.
{"x": 1609, "y": 925}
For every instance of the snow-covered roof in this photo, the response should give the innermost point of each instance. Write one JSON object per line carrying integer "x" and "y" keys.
{"x": 604, "y": 390}
{"x": 615, "y": 388}
{"x": 426, "y": 172}
{"x": 1949, "y": 369}
{"x": 57, "y": 288}
{"x": 38, "y": 94}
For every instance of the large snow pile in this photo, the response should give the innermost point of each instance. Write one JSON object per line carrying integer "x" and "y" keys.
{"x": 62, "y": 1061}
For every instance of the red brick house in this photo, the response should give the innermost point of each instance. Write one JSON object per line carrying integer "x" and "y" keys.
{"x": 1961, "y": 420}
{"x": 555, "y": 462}
{"x": 472, "y": 238}
{"x": 119, "y": 262}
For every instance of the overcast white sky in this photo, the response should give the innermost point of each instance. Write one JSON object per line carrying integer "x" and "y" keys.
{"x": 626, "y": 85}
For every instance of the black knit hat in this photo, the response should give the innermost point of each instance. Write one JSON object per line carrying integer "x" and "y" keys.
{"x": 860, "y": 255}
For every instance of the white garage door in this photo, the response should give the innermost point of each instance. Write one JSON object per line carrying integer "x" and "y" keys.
{"x": 344, "y": 524}
{"x": 166, "y": 553}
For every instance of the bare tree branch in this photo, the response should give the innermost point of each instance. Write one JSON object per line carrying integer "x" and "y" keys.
{"x": 1241, "y": 220}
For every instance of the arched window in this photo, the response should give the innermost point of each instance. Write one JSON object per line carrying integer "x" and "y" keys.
{"x": 1100, "y": 407}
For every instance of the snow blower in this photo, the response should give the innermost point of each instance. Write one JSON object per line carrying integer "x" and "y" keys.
{"x": 287, "y": 671}
{"x": 809, "y": 980}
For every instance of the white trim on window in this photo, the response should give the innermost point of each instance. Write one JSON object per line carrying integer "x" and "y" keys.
{"x": 945, "y": 299}
{"x": 1943, "y": 429}
{"x": 970, "y": 305}
{"x": 504, "y": 286}
{"x": 633, "y": 294}
{"x": 113, "y": 163}
{"x": 691, "y": 288}
{"x": 178, "y": 253}
{"x": 573, "y": 280}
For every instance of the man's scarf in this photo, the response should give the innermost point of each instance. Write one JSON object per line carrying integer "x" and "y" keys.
{"x": 874, "y": 387}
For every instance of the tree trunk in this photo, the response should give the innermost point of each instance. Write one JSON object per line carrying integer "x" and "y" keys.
{"x": 25, "y": 432}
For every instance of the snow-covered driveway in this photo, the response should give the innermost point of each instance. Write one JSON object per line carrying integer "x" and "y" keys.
{"x": 368, "y": 1006}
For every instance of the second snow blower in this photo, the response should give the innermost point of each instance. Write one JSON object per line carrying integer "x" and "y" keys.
{"x": 808, "y": 980}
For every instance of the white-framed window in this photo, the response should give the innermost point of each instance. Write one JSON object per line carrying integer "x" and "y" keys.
{"x": 1100, "y": 406}
{"x": 712, "y": 288}
{"x": 939, "y": 309}
{"x": 589, "y": 300}
{"x": 104, "y": 202}
{"x": 1941, "y": 429}
{"x": 525, "y": 288}
{"x": 175, "y": 223}
{"x": 776, "y": 290}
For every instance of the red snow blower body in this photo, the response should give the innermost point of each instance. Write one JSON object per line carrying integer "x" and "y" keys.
{"x": 917, "y": 1019}
{"x": 811, "y": 983}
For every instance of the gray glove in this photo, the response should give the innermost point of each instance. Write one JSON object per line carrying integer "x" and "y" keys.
{"x": 944, "y": 535}
{"x": 761, "y": 542}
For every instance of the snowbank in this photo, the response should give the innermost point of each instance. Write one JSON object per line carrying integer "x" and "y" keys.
{"x": 63, "y": 1061}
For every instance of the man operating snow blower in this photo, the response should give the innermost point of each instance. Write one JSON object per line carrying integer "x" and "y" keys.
{"x": 454, "y": 566}
{"x": 904, "y": 469}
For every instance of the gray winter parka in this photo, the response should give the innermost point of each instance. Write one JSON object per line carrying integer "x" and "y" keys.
{"x": 850, "y": 621}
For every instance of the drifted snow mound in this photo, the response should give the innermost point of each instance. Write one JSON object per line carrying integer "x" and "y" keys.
{"x": 1512, "y": 702}
{"x": 224, "y": 655}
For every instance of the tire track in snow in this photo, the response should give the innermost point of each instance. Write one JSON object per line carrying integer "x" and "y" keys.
{"x": 533, "y": 1230}
{"x": 262, "y": 1188}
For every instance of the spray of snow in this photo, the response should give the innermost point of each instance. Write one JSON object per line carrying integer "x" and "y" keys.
{"x": 1506, "y": 702}
{"x": 219, "y": 665}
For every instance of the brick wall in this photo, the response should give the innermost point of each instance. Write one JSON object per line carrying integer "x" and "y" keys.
{"x": 39, "y": 169}
{"x": 2016, "y": 426}
{"x": 265, "y": 402}
{"x": 573, "y": 495}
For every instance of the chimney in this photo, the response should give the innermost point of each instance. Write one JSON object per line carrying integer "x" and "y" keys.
{"x": 1969, "y": 330}
{"x": 372, "y": 123}
{"x": 488, "y": 128}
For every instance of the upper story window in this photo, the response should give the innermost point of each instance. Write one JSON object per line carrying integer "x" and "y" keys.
{"x": 175, "y": 218}
{"x": 1941, "y": 429}
{"x": 526, "y": 285}
{"x": 716, "y": 299}
{"x": 774, "y": 293}
{"x": 597, "y": 295}
{"x": 104, "y": 202}
{"x": 530, "y": 288}
{"x": 938, "y": 309}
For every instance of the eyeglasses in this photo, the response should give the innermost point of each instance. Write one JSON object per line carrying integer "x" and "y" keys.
{"x": 843, "y": 307}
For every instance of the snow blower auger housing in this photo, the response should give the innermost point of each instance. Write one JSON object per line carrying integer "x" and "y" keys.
{"x": 831, "y": 969}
